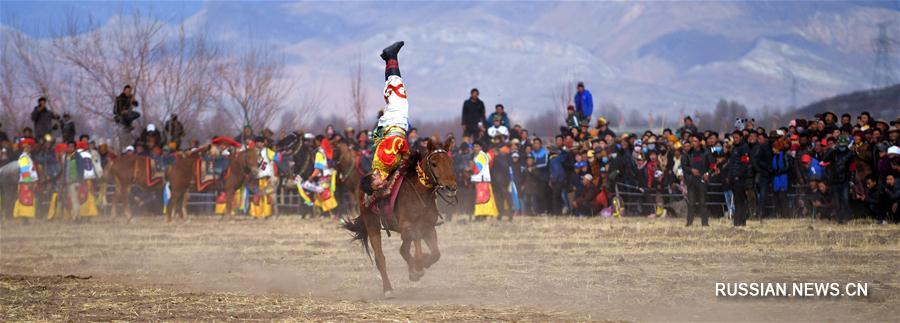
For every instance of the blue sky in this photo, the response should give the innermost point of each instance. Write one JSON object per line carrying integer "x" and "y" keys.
{"x": 42, "y": 15}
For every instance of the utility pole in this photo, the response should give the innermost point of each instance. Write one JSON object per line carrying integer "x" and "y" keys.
{"x": 884, "y": 47}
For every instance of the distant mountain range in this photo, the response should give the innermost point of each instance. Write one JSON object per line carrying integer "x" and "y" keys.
{"x": 883, "y": 103}
{"x": 667, "y": 58}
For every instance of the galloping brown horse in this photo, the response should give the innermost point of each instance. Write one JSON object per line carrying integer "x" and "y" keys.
{"x": 242, "y": 170}
{"x": 349, "y": 173}
{"x": 126, "y": 172}
{"x": 415, "y": 214}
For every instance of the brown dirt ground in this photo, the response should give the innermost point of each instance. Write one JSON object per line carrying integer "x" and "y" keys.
{"x": 533, "y": 269}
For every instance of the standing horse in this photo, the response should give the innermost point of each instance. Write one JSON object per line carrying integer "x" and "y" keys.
{"x": 349, "y": 174}
{"x": 415, "y": 214}
{"x": 242, "y": 170}
{"x": 9, "y": 181}
{"x": 126, "y": 172}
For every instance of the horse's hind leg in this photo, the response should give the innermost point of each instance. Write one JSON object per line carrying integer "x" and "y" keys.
{"x": 127, "y": 199}
{"x": 431, "y": 241}
{"x": 184, "y": 201}
{"x": 374, "y": 232}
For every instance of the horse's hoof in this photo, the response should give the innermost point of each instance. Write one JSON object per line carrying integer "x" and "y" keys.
{"x": 389, "y": 294}
{"x": 415, "y": 276}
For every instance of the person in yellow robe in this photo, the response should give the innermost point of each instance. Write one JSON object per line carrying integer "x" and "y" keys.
{"x": 28, "y": 177}
{"x": 261, "y": 205}
{"x": 485, "y": 206}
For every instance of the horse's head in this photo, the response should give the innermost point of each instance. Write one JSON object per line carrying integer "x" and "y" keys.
{"x": 439, "y": 168}
{"x": 247, "y": 161}
{"x": 289, "y": 143}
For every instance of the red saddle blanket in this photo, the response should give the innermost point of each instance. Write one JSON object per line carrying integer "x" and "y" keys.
{"x": 155, "y": 174}
{"x": 387, "y": 205}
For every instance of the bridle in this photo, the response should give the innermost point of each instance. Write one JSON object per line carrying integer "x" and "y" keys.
{"x": 431, "y": 181}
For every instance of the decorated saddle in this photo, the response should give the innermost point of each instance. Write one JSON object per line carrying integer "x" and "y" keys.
{"x": 156, "y": 168}
{"x": 209, "y": 170}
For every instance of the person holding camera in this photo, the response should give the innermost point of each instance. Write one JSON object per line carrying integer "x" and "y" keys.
{"x": 43, "y": 119}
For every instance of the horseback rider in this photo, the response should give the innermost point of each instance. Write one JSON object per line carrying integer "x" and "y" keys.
{"x": 390, "y": 134}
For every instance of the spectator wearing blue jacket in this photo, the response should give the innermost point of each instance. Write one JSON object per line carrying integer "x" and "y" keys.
{"x": 499, "y": 111}
{"x": 584, "y": 103}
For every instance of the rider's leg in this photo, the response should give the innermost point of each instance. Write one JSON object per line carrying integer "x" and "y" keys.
{"x": 392, "y": 146}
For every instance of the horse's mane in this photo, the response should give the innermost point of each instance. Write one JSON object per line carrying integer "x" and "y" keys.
{"x": 415, "y": 155}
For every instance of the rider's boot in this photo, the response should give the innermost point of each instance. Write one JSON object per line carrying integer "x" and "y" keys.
{"x": 389, "y": 55}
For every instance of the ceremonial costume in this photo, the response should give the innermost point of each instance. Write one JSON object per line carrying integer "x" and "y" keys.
{"x": 261, "y": 206}
{"x": 28, "y": 177}
{"x": 484, "y": 195}
{"x": 89, "y": 172}
{"x": 390, "y": 134}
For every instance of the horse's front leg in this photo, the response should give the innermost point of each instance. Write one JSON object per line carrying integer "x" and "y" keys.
{"x": 432, "y": 242}
{"x": 419, "y": 260}
{"x": 407, "y": 256}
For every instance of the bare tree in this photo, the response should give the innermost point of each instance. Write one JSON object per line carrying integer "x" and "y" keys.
{"x": 106, "y": 59}
{"x": 11, "y": 113}
{"x": 184, "y": 83}
{"x": 254, "y": 86}
{"x": 564, "y": 92}
{"x": 311, "y": 102}
{"x": 30, "y": 70}
{"x": 357, "y": 94}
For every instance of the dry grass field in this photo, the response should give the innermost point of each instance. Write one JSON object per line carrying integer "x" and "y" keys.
{"x": 533, "y": 269}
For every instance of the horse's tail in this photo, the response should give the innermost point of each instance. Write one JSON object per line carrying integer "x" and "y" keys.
{"x": 358, "y": 230}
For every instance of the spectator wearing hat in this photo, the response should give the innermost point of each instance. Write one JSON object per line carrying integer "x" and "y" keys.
{"x": 837, "y": 162}
{"x": 602, "y": 129}
{"x": 151, "y": 137}
{"x": 584, "y": 202}
{"x": 498, "y": 132}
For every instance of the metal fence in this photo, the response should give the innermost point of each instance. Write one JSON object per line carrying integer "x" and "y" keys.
{"x": 634, "y": 196}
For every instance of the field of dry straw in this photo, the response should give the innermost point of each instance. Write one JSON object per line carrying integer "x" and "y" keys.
{"x": 533, "y": 269}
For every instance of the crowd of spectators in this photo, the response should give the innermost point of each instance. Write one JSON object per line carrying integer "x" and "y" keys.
{"x": 825, "y": 166}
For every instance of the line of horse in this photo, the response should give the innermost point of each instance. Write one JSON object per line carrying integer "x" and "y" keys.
{"x": 129, "y": 171}
{"x": 415, "y": 214}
